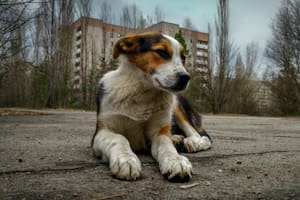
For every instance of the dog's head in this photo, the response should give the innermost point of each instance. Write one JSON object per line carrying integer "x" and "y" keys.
{"x": 159, "y": 56}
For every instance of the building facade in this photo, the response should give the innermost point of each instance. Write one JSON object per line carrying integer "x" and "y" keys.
{"x": 93, "y": 42}
{"x": 264, "y": 97}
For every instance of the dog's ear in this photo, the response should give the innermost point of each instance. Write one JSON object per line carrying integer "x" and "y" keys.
{"x": 126, "y": 45}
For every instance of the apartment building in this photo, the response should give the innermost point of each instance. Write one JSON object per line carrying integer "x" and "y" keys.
{"x": 264, "y": 97}
{"x": 93, "y": 40}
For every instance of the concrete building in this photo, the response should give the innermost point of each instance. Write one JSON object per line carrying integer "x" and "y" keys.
{"x": 264, "y": 97}
{"x": 93, "y": 42}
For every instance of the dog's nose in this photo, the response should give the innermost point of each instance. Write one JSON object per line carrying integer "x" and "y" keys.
{"x": 182, "y": 80}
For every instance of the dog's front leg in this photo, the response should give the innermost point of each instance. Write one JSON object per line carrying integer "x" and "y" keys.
{"x": 172, "y": 165}
{"x": 115, "y": 148}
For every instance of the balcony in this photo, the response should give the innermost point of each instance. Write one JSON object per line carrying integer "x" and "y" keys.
{"x": 78, "y": 33}
{"x": 76, "y": 86}
{"x": 77, "y": 70}
{"x": 202, "y": 62}
{"x": 78, "y": 43}
{"x": 201, "y": 46}
{"x": 78, "y": 51}
{"x": 201, "y": 69}
{"x": 77, "y": 60}
{"x": 201, "y": 53}
{"x": 76, "y": 77}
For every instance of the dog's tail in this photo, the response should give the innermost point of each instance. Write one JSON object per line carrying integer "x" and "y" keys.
{"x": 99, "y": 97}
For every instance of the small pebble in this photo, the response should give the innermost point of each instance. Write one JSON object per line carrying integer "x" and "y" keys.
{"x": 207, "y": 183}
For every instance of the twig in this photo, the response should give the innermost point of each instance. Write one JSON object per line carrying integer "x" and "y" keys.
{"x": 190, "y": 185}
{"x": 111, "y": 196}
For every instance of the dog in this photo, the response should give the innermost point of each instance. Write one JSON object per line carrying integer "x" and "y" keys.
{"x": 139, "y": 109}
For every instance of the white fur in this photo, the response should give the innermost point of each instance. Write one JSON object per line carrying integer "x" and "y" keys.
{"x": 193, "y": 142}
{"x": 165, "y": 75}
{"x": 133, "y": 111}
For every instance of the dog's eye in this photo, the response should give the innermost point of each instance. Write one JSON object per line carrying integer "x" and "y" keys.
{"x": 163, "y": 54}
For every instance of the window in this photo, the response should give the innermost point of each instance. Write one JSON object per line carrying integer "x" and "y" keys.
{"x": 78, "y": 37}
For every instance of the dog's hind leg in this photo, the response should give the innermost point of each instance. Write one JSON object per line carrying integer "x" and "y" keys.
{"x": 189, "y": 123}
{"x": 115, "y": 149}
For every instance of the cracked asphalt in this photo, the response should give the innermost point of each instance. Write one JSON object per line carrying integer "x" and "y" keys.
{"x": 45, "y": 154}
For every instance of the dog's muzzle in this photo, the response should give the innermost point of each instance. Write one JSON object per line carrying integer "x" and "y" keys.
{"x": 182, "y": 81}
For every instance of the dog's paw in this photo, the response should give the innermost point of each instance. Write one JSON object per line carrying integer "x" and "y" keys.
{"x": 177, "y": 141}
{"x": 176, "y": 168}
{"x": 196, "y": 143}
{"x": 125, "y": 166}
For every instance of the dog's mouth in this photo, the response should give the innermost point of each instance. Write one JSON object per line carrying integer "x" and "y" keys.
{"x": 175, "y": 88}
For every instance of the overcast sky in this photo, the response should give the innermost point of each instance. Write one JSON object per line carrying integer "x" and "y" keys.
{"x": 249, "y": 19}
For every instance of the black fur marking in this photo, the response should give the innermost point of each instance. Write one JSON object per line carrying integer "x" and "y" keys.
{"x": 99, "y": 97}
{"x": 162, "y": 53}
{"x": 146, "y": 42}
{"x": 204, "y": 133}
{"x": 178, "y": 178}
{"x": 193, "y": 117}
{"x": 175, "y": 129}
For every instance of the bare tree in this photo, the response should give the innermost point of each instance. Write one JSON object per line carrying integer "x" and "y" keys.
{"x": 244, "y": 86}
{"x": 106, "y": 16}
{"x": 283, "y": 50}
{"x": 15, "y": 18}
{"x": 105, "y": 12}
{"x": 220, "y": 70}
{"x": 187, "y": 23}
{"x": 130, "y": 16}
{"x": 158, "y": 14}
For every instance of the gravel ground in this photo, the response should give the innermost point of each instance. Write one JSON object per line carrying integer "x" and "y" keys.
{"x": 45, "y": 154}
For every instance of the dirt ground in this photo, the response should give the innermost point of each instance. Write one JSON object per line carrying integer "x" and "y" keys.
{"x": 46, "y": 155}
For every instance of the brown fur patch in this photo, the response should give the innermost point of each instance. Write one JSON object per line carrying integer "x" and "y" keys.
{"x": 166, "y": 130}
{"x": 179, "y": 114}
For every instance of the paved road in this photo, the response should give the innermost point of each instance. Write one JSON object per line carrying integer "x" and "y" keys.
{"x": 46, "y": 155}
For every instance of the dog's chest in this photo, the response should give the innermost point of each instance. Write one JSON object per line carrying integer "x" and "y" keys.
{"x": 137, "y": 106}
{"x": 135, "y": 102}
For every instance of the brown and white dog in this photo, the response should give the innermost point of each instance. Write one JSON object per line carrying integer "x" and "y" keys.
{"x": 138, "y": 109}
